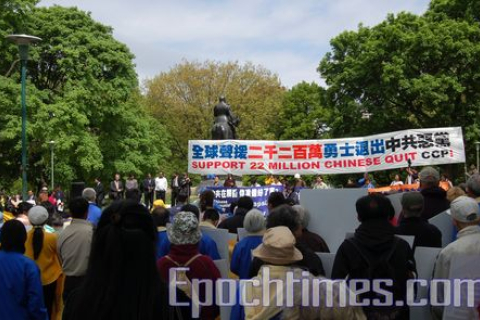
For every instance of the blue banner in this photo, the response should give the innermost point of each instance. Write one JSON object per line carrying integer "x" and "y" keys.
{"x": 226, "y": 196}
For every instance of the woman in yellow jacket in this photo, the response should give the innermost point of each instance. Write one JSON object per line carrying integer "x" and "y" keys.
{"x": 42, "y": 248}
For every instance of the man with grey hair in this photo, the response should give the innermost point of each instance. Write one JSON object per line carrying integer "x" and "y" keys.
{"x": 435, "y": 198}
{"x": 94, "y": 212}
{"x": 310, "y": 239}
{"x": 412, "y": 224}
{"x": 254, "y": 224}
{"x": 473, "y": 187}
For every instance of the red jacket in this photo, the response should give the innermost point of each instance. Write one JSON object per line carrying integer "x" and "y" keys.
{"x": 200, "y": 268}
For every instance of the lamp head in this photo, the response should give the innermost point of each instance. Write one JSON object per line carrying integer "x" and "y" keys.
{"x": 23, "y": 41}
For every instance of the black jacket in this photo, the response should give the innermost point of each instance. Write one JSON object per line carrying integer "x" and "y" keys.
{"x": 426, "y": 234}
{"x": 235, "y": 222}
{"x": 435, "y": 202}
{"x": 313, "y": 241}
{"x": 184, "y": 187}
{"x": 99, "y": 189}
{"x": 113, "y": 187}
{"x": 375, "y": 238}
{"x": 148, "y": 185}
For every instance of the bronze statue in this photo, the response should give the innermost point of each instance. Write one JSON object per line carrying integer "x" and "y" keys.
{"x": 225, "y": 123}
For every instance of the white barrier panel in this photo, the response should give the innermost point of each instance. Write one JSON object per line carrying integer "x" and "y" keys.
{"x": 443, "y": 222}
{"x": 222, "y": 266}
{"x": 327, "y": 262}
{"x": 396, "y": 200}
{"x": 332, "y": 213}
{"x": 242, "y": 233}
{"x": 410, "y": 239}
{"x": 425, "y": 258}
{"x": 221, "y": 238}
{"x": 225, "y": 311}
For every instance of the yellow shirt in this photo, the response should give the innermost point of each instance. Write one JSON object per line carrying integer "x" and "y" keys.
{"x": 7, "y": 216}
{"x": 207, "y": 224}
{"x": 47, "y": 261}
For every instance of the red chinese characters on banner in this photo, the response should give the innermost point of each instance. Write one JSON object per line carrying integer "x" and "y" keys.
{"x": 346, "y": 155}
{"x": 294, "y": 152}
{"x": 254, "y": 152}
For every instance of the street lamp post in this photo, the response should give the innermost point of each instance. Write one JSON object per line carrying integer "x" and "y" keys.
{"x": 23, "y": 41}
{"x": 52, "y": 146}
{"x": 477, "y": 147}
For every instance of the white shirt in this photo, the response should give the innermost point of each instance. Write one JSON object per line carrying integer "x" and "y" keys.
{"x": 396, "y": 183}
{"x": 320, "y": 185}
{"x": 467, "y": 243}
{"x": 161, "y": 184}
{"x": 175, "y": 182}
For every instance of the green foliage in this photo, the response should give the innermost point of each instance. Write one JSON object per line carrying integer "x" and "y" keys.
{"x": 82, "y": 93}
{"x": 183, "y": 98}
{"x": 409, "y": 72}
{"x": 456, "y": 9}
{"x": 302, "y": 114}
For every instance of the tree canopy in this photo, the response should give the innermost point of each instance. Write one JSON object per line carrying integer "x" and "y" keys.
{"x": 409, "y": 72}
{"x": 456, "y": 9}
{"x": 83, "y": 93}
{"x": 183, "y": 98}
{"x": 303, "y": 115}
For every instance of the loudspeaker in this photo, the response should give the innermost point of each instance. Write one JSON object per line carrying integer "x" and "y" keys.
{"x": 76, "y": 189}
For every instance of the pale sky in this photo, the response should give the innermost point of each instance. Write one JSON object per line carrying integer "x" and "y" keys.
{"x": 288, "y": 37}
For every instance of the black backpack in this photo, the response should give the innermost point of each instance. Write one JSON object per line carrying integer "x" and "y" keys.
{"x": 379, "y": 268}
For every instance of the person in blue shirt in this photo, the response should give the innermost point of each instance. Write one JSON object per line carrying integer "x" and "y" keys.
{"x": 161, "y": 217}
{"x": 181, "y": 201}
{"x": 254, "y": 224}
{"x": 206, "y": 245}
{"x": 94, "y": 211}
{"x": 21, "y": 293}
{"x": 366, "y": 182}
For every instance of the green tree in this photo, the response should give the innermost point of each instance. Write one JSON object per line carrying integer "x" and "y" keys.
{"x": 456, "y": 9}
{"x": 83, "y": 94}
{"x": 183, "y": 98}
{"x": 408, "y": 72}
{"x": 13, "y": 17}
{"x": 303, "y": 115}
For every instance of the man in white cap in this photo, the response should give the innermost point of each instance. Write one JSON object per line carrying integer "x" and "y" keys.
{"x": 465, "y": 215}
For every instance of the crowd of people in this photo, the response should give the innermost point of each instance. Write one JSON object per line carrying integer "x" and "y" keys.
{"x": 149, "y": 188}
{"x": 116, "y": 262}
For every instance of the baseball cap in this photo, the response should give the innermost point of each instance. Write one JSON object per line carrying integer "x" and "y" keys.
{"x": 412, "y": 203}
{"x": 464, "y": 209}
{"x": 38, "y": 215}
{"x": 429, "y": 174}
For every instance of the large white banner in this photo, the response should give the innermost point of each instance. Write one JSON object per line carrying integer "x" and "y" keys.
{"x": 347, "y": 155}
